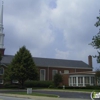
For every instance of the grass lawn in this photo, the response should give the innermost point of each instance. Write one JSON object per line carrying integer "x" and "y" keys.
{"x": 76, "y": 90}
{"x": 34, "y": 94}
{"x": 84, "y": 90}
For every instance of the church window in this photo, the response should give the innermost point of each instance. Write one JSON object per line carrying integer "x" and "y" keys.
{"x": 66, "y": 71}
{"x": 42, "y": 74}
{"x": 1, "y": 81}
{"x": 1, "y": 70}
{"x": 53, "y": 73}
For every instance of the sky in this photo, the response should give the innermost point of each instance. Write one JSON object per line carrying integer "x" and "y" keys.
{"x": 59, "y": 29}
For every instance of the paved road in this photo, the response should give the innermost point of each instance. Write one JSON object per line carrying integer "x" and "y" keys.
{"x": 23, "y": 97}
{"x": 62, "y": 94}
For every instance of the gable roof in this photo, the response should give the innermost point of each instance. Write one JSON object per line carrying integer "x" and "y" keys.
{"x": 48, "y": 62}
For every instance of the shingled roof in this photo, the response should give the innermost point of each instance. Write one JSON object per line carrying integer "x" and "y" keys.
{"x": 48, "y": 62}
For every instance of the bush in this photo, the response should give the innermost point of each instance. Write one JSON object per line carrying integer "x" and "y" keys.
{"x": 40, "y": 84}
{"x": 11, "y": 86}
{"x": 52, "y": 85}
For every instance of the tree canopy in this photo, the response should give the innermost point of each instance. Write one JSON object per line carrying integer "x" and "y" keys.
{"x": 97, "y": 75}
{"x": 22, "y": 67}
{"x": 96, "y": 41}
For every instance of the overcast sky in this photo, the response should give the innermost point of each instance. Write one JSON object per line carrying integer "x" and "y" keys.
{"x": 59, "y": 29}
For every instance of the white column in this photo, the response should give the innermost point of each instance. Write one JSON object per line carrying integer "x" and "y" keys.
{"x": 48, "y": 73}
{"x": 69, "y": 80}
{"x": 83, "y": 81}
{"x": 72, "y": 80}
{"x": 76, "y": 81}
{"x": 89, "y": 80}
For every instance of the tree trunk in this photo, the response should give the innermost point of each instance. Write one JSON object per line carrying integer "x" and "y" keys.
{"x": 21, "y": 84}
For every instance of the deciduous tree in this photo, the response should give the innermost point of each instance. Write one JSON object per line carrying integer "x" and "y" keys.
{"x": 97, "y": 75}
{"x": 96, "y": 41}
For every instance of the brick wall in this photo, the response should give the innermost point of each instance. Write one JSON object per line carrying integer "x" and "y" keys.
{"x": 71, "y": 70}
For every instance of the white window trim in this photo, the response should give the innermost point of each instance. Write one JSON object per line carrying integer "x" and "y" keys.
{"x": 66, "y": 71}
{"x": 92, "y": 80}
{"x": 87, "y": 80}
{"x": 77, "y": 84}
{"x": 80, "y": 80}
{"x": 44, "y": 78}
{"x": 74, "y": 80}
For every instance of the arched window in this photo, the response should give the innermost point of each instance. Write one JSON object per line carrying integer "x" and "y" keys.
{"x": 1, "y": 70}
{"x": 1, "y": 81}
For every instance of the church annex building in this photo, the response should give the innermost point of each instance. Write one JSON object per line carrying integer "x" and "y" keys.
{"x": 74, "y": 72}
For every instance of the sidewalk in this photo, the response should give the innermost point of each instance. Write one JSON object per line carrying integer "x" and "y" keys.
{"x": 38, "y": 97}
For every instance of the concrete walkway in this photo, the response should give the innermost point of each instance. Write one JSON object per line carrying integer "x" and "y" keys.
{"x": 38, "y": 97}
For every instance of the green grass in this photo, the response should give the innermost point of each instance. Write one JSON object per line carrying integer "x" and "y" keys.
{"x": 84, "y": 90}
{"x": 34, "y": 94}
{"x": 76, "y": 90}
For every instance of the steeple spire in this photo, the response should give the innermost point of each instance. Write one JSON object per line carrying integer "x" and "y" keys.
{"x": 1, "y": 31}
{"x": 1, "y": 19}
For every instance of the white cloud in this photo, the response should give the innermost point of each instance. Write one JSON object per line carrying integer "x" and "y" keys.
{"x": 65, "y": 27}
{"x": 32, "y": 28}
{"x": 62, "y": 54}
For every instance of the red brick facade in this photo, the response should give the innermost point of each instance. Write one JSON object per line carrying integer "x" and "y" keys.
{"x": 50, "y": 69}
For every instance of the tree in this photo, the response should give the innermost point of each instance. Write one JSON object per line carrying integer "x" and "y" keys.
{"x": 57, "y": 79}
{"x": 22, "y": 67}
{"x": 97, "y": 75}
{"x": 8, "y": 74}
{"x": 96, "y": 41}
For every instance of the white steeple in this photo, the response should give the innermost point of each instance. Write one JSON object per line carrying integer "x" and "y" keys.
{"x": 1, "y": 28}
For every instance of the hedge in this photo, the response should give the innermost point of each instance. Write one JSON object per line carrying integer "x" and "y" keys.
{"x": 40, "y": 84}
{"x": 10, "y": 86}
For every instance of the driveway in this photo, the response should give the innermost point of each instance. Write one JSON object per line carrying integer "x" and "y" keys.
{"x": 66, "y": 94}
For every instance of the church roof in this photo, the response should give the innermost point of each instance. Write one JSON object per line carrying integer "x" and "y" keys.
{"x": 49, "y": 62}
